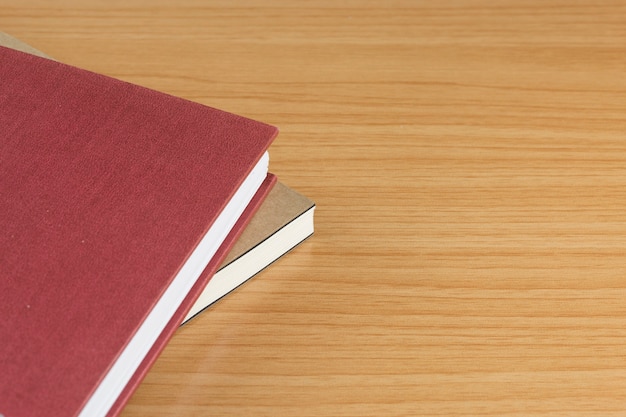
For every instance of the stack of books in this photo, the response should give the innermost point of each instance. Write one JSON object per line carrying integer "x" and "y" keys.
{"x": 124, "y": 213}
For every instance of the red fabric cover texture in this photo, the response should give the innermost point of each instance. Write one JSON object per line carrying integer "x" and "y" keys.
{"x": 105, "y": 190}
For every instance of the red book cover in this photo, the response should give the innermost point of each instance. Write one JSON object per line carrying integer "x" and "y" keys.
{"x": 107, "y": 190}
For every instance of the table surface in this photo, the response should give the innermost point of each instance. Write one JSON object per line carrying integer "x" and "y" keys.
{"x": 468, "y": 161}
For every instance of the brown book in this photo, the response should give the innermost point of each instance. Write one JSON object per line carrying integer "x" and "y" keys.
{"x": 11, "y": 42}
{"x": 283, "y": 221}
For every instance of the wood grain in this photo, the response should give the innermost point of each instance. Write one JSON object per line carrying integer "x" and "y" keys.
{"x": 468, "y": 160}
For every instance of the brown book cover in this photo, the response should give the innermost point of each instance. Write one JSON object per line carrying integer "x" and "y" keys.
{"x": 11, "y": 42}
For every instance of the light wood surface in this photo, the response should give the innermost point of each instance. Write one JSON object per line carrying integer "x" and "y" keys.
{"x": 468, "y": 160}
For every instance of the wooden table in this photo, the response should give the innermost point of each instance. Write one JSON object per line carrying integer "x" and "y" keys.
{"x": 468, "y": 160}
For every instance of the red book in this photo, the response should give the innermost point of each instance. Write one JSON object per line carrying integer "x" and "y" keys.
{"x": 117, "y": 204}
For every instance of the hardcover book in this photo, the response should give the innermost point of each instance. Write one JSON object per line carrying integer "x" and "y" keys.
{"x": 284, "y": 220}
{"x": 118, "y": 203}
